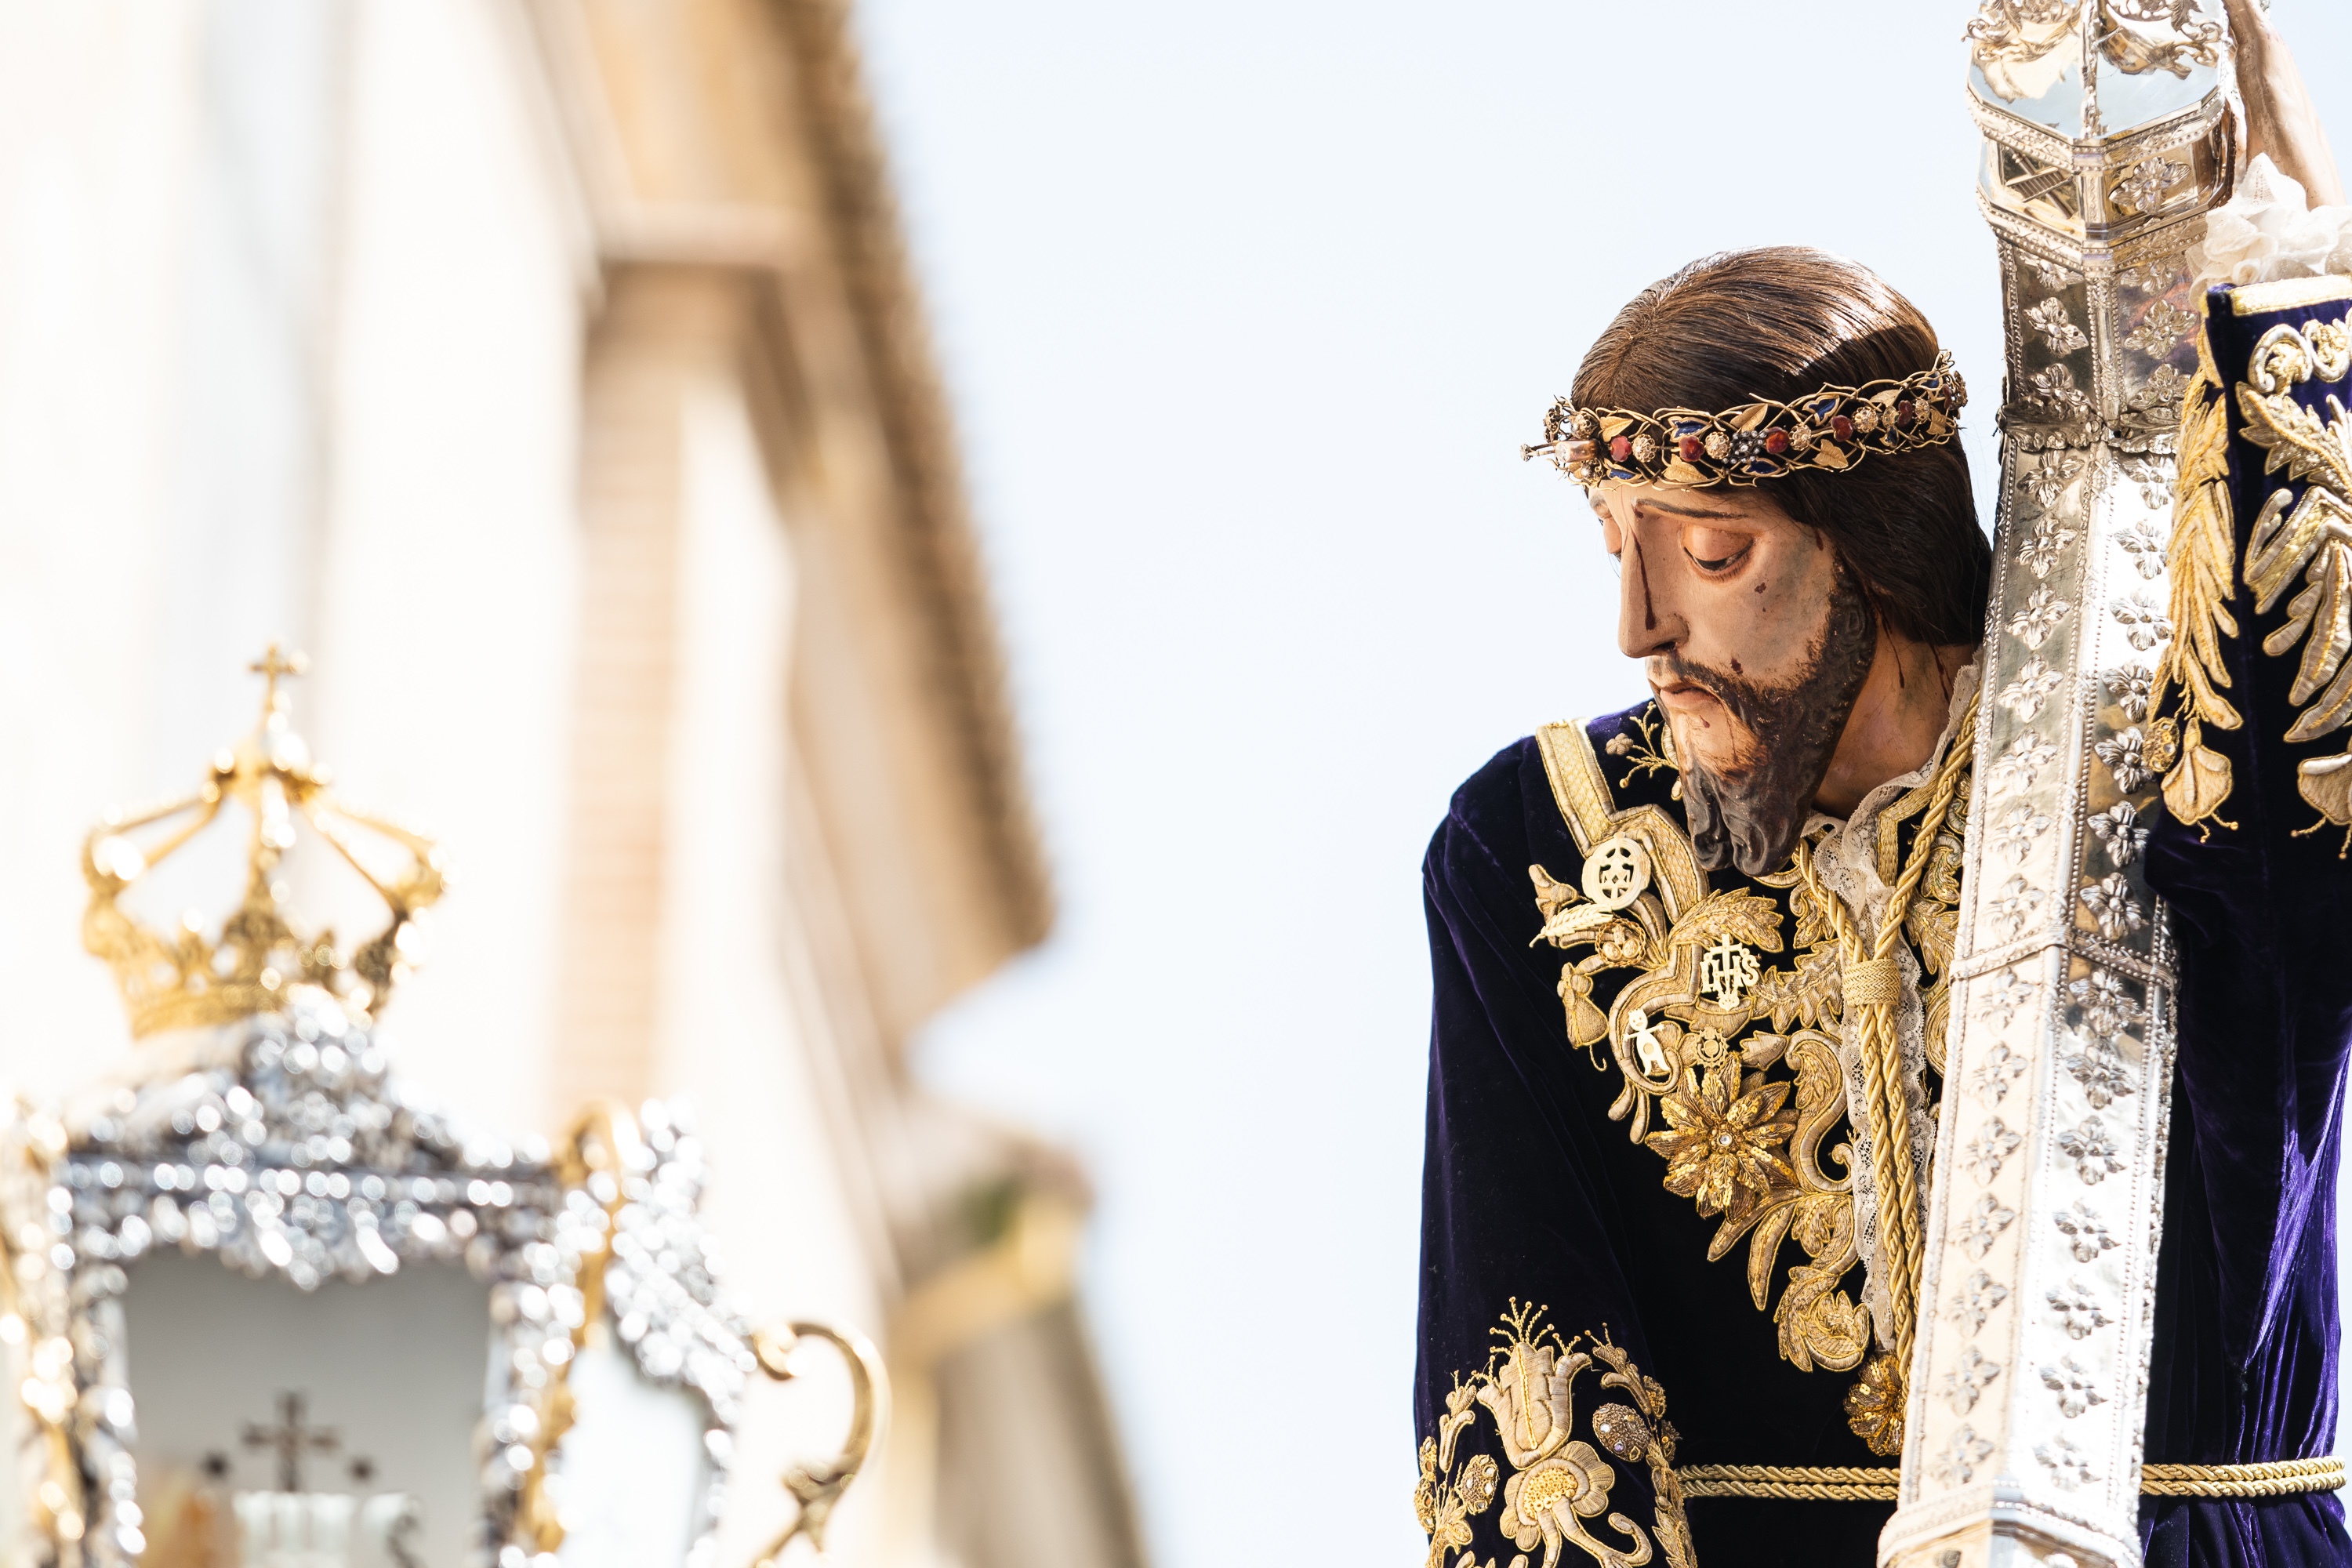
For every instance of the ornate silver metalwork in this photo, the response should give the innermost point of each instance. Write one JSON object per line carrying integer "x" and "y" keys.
{"x": 2107, "y": 139}
{"x": 283, "y": 1146}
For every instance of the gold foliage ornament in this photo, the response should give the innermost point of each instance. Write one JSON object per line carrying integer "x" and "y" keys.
{"x": 186, "y": 980}
{"x": 1740, "y": 1059}
{"x": 2300, "y": 543}
{"x": 1558, "y": 1480}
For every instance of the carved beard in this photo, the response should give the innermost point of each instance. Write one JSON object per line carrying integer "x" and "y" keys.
{"x": 1752, "y": 812}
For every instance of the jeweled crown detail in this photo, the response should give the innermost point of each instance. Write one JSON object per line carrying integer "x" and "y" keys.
{"x": 185, "y": 979}
{"x": 1828, "y": 430}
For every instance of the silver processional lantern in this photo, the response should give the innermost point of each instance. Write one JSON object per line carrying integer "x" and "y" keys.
{"x": 2108, "y": 134}
{"x": 272, "y": 1310}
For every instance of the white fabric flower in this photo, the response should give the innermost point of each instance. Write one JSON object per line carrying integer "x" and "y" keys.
{"x": 2266, "y": 231}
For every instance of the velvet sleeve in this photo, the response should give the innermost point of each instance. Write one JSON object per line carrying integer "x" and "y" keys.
{"x": 2249, "y": 856}
{"x": 1521, "y": 1246}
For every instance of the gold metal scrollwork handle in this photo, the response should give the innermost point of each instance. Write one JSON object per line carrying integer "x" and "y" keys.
{"x": 818, "y": 1487}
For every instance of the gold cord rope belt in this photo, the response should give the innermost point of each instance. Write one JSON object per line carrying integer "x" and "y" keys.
{"x": 1871, "y": 1483}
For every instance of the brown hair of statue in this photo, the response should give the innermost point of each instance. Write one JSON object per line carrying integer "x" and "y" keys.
{"x": 1778, "y": 324}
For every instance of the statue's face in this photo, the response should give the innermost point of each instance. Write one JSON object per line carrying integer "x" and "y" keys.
{"x": 1756, "y": 639}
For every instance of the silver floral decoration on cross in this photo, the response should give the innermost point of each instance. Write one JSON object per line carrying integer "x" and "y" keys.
{"x": 2092, "y": 1148}
{"x": 1965, "y": 1382}
{"x": 2077, "y": 1390}
{"x": 1992, "y": 1145}
{"x": 1978, "y": 1294}
{"x": 2069, "y": 1466}
{"x": 2125, "y": 758}
{"x": 2144, "y": 621}
{"x": 1956, "y": 1466}
{"x": 2057, "y": 329}
{"x": 2114, "y": 906}
{"x": 1986, "y": 1221}
{"x": 2086, "y": 1236}
{"x": 2095, "y": 1063}
{"x": 2118, "y": 831}
{"x": 2076, "y": 1311}
{"x": 2039, "y": 618}
{"x": 2026, "y": 695}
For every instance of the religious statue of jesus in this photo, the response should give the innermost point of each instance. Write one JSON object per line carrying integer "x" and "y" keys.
{"x": 1694, "y": 963}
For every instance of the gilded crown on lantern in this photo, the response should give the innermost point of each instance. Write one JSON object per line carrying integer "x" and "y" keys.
{"x": 183, "y": 980}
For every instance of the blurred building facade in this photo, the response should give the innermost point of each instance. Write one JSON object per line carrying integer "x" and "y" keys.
{"x": 550, "y": 370}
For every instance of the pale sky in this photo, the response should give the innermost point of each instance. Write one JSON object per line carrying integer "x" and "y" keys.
{"x": 1245, "y": 307}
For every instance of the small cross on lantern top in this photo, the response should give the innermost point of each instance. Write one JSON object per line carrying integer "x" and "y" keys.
{"x": 279, "y": 661}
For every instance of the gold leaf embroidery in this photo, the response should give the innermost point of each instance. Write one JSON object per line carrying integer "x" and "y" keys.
{"x": 1745, "y": 1143}
{"x": 1558, "y": 1480}
{"x": 2203, "y": 562}
{"x": 2310, "y": 536}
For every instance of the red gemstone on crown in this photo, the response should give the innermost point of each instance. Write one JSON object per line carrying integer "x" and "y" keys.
{"x": 1692, "y": 449}
{"x": 1620, "y": 448}
{"x": 1842, "y": 427}
{"x": 1905, "y": 414}
{"x": 1776, "y": 442}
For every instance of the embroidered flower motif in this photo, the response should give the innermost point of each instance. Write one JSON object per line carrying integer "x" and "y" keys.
{"x": 1990, "y": 1080}
{"x": 1720, "y": 1150}
{"x": 1539, "y": 1501}
{"x": 2057, "y": 329}
{"x": 2026, "y": 695}
{"x": 1969, "y": 1379}
{"x": 2111, "y": 904}
{"x": 2019, "y": 766}
{"x": 1985, "y": 1223}
{"x": 2160, "y": 329}
{"x": 2039, "y": 618}
{"x": 2119, "y": 829}
{"x": 1955, "y": 1465}
{"x": 2122, "y": 755}
{"x": 2145, "y": 547}
{"x": 2069, "y": 1466}
{"x": 2013, "y": 910}
{"x": 1984, "y": 1153}
{"x": 2019, "y": 830}
{"x": 1977, "y": 1298}
{"x": 2086, "y": 1236}
{"x": 2097, "y": 1067}
{"x": 1873, "y": 1406}
{"x": 2145, "y": 622}
{"x": 2090, "y": 1149}
{"x": 2105, "y": 1001}
{"x": 2128, "y": 686}
{"x": 2077, "y": 1312}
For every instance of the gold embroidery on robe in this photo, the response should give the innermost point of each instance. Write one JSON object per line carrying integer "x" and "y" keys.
{"x": 2306, "y": 539}
{"x": 2203, "y": 559}
{"x": 1558, "y": 1480}
{"x": 1745, "y": 1112}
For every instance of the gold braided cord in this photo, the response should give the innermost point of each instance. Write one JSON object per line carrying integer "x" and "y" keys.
{"x": 1892, "y": 1168}
{"x": 2275, "y": 1479}
{"x": 1874, "y": 1483}
{"x": 1848, "y": 1475}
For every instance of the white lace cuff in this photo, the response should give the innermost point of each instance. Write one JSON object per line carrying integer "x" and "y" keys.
{"x": 2265, "y": 231}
